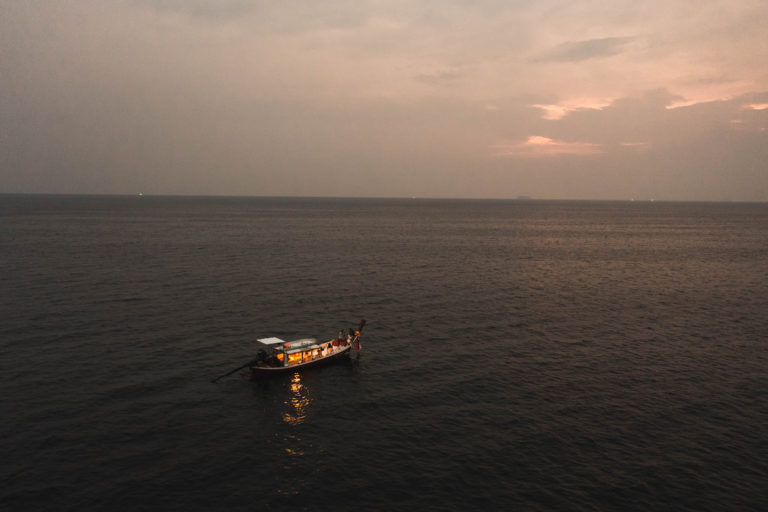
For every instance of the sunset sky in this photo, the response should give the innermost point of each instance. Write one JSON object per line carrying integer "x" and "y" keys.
{"x": 389, "y": 98}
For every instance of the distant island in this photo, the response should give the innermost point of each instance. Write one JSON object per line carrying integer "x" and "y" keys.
{"x": 523, "y": 198}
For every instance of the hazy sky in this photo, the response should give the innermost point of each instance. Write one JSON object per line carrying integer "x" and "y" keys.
{"x": 664, "y": 99}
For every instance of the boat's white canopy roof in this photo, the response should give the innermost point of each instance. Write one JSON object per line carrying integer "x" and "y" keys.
{"x": 271, "y": 341}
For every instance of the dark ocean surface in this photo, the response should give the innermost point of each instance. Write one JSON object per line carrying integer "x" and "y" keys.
{"x": 519, "y": 355}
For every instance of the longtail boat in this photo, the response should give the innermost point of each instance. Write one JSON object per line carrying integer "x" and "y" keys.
{"x": 277, "y": 356}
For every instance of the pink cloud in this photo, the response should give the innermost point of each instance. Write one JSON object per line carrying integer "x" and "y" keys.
{"x": 538, "y": 146}
{"x": 560, "y": 110}
{"x": 636, "y": 145}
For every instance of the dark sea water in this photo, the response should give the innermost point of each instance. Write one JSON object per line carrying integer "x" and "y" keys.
{"x": 519, "y": 355}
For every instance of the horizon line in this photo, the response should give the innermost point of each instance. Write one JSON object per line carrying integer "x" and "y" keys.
{"x": 519, "y": 198}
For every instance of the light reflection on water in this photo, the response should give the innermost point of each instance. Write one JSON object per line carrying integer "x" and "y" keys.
{"x": 298, "y": 402}
{"x": 296, "y": 412}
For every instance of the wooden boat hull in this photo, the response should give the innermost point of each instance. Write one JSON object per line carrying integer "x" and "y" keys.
{"x": 260, "y": 372}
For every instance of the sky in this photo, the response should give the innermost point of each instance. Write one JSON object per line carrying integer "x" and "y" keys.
{"x": 578, "y": 99}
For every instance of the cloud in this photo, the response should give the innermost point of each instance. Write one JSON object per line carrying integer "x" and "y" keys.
{"x": 538, "y": 146}
{"x": 440, "y": 77}
{"x": 559, "y": 111}
{"x": 208, "y": 9}
{"x": 636, "y": 145}
{"x": 576, "y": 51}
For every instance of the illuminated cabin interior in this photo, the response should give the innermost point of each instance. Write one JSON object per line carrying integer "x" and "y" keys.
{"x": 301, "y": 351}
